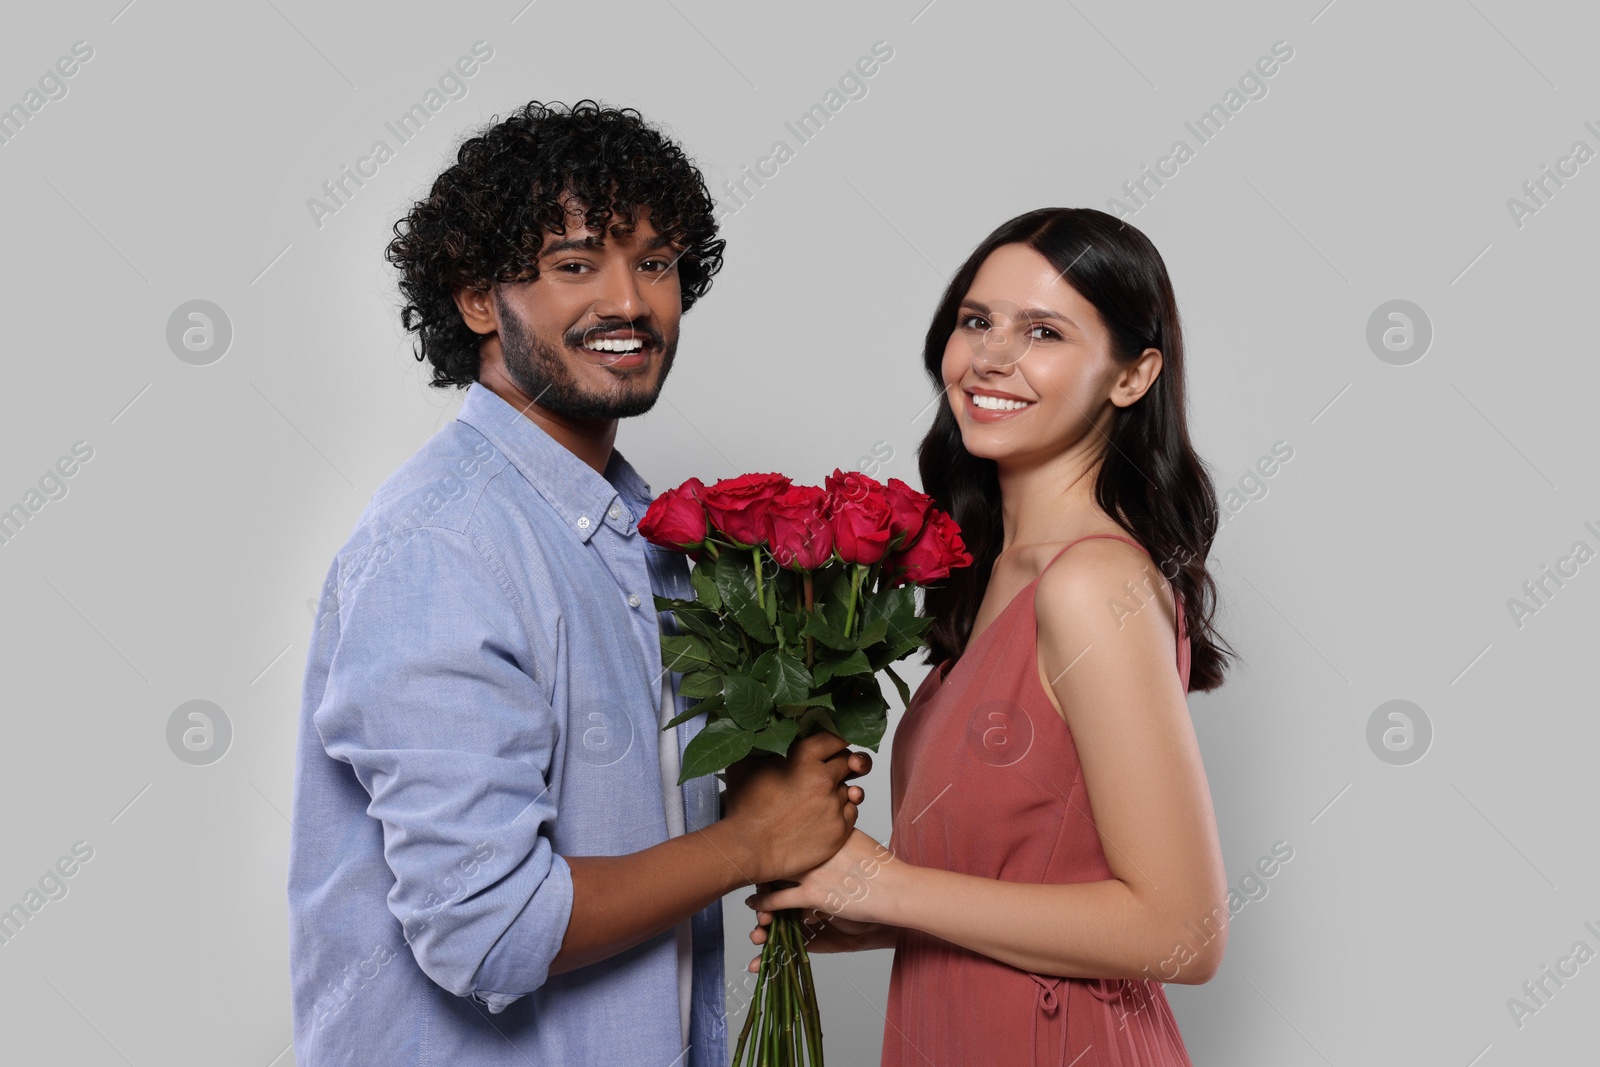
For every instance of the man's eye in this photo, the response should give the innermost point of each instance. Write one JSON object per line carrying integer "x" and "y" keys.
{"x": 657, "y": 265}
{"x": 573, "y": 267}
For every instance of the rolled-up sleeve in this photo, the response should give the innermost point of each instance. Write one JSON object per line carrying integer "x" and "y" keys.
{"x": 432, "y": 702}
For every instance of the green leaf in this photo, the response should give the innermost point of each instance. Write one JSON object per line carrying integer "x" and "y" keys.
{"x": 749, "y": 701}
{"x": 712, "y": 749}
{"x": 897, "y": 603}
{"x": 709, "y": 706}
{"x": 736, "y": 582}
{"x": 819, "y": 627}
{"x": 705, "y": 587}
{"x": 872, "y": 632}
{"x": 727, "y": 647}
{"x": 907, "y": 636}
{"x": 698, "y": 621}
{"x": 778, "y": 737}
{"x": 789, "y": 628}
{"x": 854, "y": 663}
{"x": 785, "y": 677}
{"x": 889, "y": 653}
{"x": 684, "y": 652}
{"x": 831, "y": 595}
{"x": 814, "y": 719}
{"x": 705, "y": 682}
{"x": 815, "y": 700}
{"x": 787, "y": 583}
{"x": 679, "y": 719}
{"x": 832, "y": 582}
{"x": 900, "y": 685}
{"x": 862, "y": 716}
{"x": 667, "y": 603}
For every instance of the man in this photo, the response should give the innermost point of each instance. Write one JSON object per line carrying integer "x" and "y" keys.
{"x": 491, "y": 859}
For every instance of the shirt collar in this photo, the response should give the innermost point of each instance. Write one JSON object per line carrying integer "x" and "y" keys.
{"x": 583, "y": 498}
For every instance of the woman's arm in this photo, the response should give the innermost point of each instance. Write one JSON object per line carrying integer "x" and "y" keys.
{"x": 1163, "y": 914}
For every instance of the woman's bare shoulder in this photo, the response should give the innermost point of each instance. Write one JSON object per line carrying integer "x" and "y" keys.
{"x": 1105, "y": 576}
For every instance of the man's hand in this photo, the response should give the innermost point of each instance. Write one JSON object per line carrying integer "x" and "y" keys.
{"x": 783, "y": 815}
{"x": 788, "y": 814}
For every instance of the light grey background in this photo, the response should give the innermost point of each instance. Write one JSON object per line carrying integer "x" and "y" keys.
{"x": 1378, "y": 565}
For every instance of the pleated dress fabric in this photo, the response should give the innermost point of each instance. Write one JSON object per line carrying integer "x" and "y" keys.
{"x": 985, "y": 780}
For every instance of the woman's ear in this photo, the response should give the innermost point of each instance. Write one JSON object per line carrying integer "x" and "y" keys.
{"x": 1134, "y": 381}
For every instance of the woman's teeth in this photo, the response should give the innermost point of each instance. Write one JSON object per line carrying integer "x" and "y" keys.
{"x": 995, "y": 403}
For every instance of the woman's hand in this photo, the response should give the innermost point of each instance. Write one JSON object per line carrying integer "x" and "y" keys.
{"x": 827, "y": 934}
{"x": 857, "y": 883}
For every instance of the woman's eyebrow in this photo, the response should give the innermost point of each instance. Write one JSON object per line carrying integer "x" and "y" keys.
{"x": 1046, "y": 313}
{"x": 1029, "y": 313}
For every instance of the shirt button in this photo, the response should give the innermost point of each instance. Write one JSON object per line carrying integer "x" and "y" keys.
{"x": 633, "y": 600}
{"x": 583, "y": 522}
{"x": 615, "y": 512}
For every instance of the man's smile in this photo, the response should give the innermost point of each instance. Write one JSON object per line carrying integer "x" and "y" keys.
{"x": 620, "y": 348}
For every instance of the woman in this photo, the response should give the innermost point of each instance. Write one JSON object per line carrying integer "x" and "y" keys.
{"x": 1054, "y": 855}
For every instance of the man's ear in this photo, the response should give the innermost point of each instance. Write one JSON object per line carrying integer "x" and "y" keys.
{"x": 478, "y": 310}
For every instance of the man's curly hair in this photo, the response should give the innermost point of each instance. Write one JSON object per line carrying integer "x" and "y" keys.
{"x": 486, "y": 217}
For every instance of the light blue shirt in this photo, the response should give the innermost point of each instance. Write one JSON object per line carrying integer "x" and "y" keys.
{"x": 482, "y": 698}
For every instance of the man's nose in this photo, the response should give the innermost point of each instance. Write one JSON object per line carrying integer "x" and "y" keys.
{"x": 621, "y": 297}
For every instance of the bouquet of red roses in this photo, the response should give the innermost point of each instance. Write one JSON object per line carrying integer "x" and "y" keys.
{"x": 803, "y": 595}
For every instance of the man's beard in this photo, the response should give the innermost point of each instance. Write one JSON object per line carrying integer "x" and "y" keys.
{"x": 542, "y": 374}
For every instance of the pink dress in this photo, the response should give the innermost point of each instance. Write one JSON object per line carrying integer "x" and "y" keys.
{"x": 985, "y": 780}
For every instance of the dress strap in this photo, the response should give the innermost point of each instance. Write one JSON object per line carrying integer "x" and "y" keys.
{"x": 1091, "y": 537}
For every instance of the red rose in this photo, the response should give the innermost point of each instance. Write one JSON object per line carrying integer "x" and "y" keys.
{"x": 676, "y": 519}
{"x": 858, "y": 510}
{"x": 853, "y": 485}
{"x": 738, "y": 506}
{"x": 908, "y": 509}
{"x": 934, "y": 554}
{"x": 798, "y": 532}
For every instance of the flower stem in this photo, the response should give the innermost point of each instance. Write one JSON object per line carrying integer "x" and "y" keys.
{"x": 855, "y": 586}
{"x": 787, "y": 1016}
{"x": 769, "y": 1017}
{"x": 813, "y": 1016}
{"x": 808, "y": 606}
{"x": 755, "y": 554}
{"x": 802, "y": 1022}
{"x": 763, "y": 979}
{"x": 783, "y": 1028}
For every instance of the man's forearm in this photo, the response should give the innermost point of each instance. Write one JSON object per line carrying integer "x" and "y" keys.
{"x": 619, "y": 901}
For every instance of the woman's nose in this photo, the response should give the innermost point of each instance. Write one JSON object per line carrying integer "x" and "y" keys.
{"x": 996, "y": 348}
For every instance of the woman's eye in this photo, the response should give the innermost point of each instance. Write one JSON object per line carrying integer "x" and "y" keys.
{"x": 973, "y": 322}
{"x": 1035, "y": 331}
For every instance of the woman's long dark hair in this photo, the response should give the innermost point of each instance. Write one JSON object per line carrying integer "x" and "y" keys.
{"x": 1151, "y": 482}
